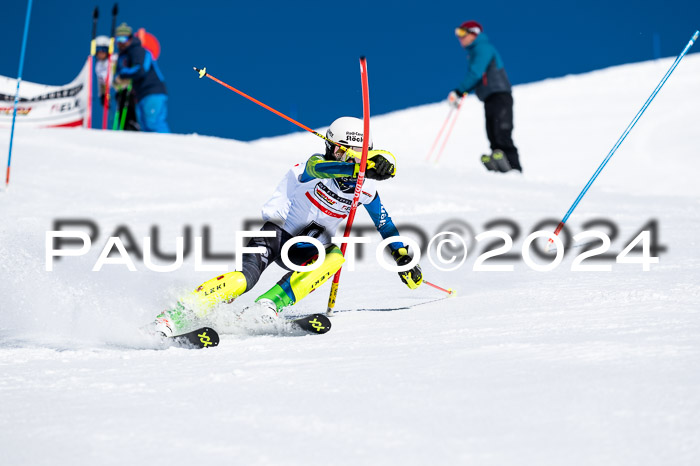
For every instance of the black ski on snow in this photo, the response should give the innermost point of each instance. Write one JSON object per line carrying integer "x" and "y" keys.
{"x": 205, "y": 337}
{"x": 315, "y": 323}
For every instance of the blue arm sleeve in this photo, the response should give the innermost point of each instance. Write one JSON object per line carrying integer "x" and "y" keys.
{"x": 477, "y": 67}
{"x": 318, "y": 167}
{"x": 380, "y": 217}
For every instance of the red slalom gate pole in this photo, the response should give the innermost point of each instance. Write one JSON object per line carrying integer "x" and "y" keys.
{"x": 358, "y": 183}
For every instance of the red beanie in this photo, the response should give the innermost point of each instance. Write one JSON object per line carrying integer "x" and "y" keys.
{"x": 472, "y": 26}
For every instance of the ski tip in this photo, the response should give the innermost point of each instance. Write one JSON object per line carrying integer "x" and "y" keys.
{"x": 452, "y": 293}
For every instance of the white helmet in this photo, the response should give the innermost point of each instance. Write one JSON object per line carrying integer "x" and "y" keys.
{"x": 346, "y": 131}
{"x": 102, "y": 41}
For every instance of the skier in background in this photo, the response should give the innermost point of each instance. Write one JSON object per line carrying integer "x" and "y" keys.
{"x": 487, "y": 77}
{"x": 311, "y": 200}
{"x": 137, "y": 63}
{"x": 101, "y": 65}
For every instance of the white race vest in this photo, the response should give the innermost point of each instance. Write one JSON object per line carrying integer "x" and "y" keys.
{"x": 315, "y": 208}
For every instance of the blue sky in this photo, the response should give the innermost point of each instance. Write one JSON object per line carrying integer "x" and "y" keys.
{"x": 302, "y": 57}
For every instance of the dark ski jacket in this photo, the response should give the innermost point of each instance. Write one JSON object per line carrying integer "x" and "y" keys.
{"x": 486, "y": 73}
{"x": 138, "y": 64}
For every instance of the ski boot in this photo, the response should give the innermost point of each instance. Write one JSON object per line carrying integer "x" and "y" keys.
{"x": 173, "y": 321}
{"x": 501, "y": 161}
{"x": 263, "y": 313}
{"x": 489, "y": 163}
{"x": 497, "y": 162}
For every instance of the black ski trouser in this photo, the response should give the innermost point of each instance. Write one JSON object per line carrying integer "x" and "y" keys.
{"x": 499, "y": 126}
{"x": 255, "y": 264}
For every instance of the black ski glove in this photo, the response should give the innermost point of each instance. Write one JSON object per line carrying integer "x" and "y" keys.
{"x": 411, "y": 277}
{"x": 381, "y": 170}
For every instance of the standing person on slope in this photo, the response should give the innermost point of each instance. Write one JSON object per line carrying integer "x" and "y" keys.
{"x": 137, "y": 63}
{"x": 488, "y": 78}
{"x": 311, "y": 200}
{"x": 101, "y": 65}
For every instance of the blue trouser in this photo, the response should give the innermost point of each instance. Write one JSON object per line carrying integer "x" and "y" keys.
{"x": 151, "y": 113}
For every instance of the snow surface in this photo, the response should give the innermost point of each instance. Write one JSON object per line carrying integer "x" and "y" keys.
{"x": 521, "y": 367}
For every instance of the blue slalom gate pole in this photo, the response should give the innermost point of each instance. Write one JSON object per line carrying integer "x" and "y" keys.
{"x": 19, "y": 79}
{"x": 627, "y": 131}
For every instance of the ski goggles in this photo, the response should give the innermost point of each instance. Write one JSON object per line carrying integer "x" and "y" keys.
{"x": 121, "y": 39}
{"x": 459, "y": 32}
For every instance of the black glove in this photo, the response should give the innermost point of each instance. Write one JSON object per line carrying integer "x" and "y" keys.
{"x": 411, "y": 277}
{"x": 381, "y": 170}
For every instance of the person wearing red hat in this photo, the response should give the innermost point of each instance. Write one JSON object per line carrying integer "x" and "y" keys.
{"x": 488, "y": 79}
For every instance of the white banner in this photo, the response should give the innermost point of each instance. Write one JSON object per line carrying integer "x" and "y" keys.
{"x": 42, "y": 106}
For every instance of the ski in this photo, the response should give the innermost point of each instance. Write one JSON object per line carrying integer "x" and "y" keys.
{"x": 205, "y": 337}
{"x": 315, "y": 323}
{"x": 91, "y": 58}
{"x": 105, "y": 110}
{"x": 93, "y": 44}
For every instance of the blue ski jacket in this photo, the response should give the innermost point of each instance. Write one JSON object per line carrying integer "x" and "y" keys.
{"x": 486, "y": 73}
{"x": 137, "y": 63}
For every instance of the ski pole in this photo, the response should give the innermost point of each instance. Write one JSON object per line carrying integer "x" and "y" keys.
{"x": 203, "y": 72}
{"x": 442, "y": 128}
{"x": 119, "y": 112}
{"x": 358, "y": 183}
{"x": 449, "y": 291}
{"x": 449, "y": 131}
{"x": 125, "y": 109}
{"x": 118, "y": 99}
{"x": 19, "y": 80}
{"x": 624, "y": 134}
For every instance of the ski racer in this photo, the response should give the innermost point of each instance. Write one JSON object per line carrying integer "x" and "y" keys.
{"x": 311, "y": 200}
